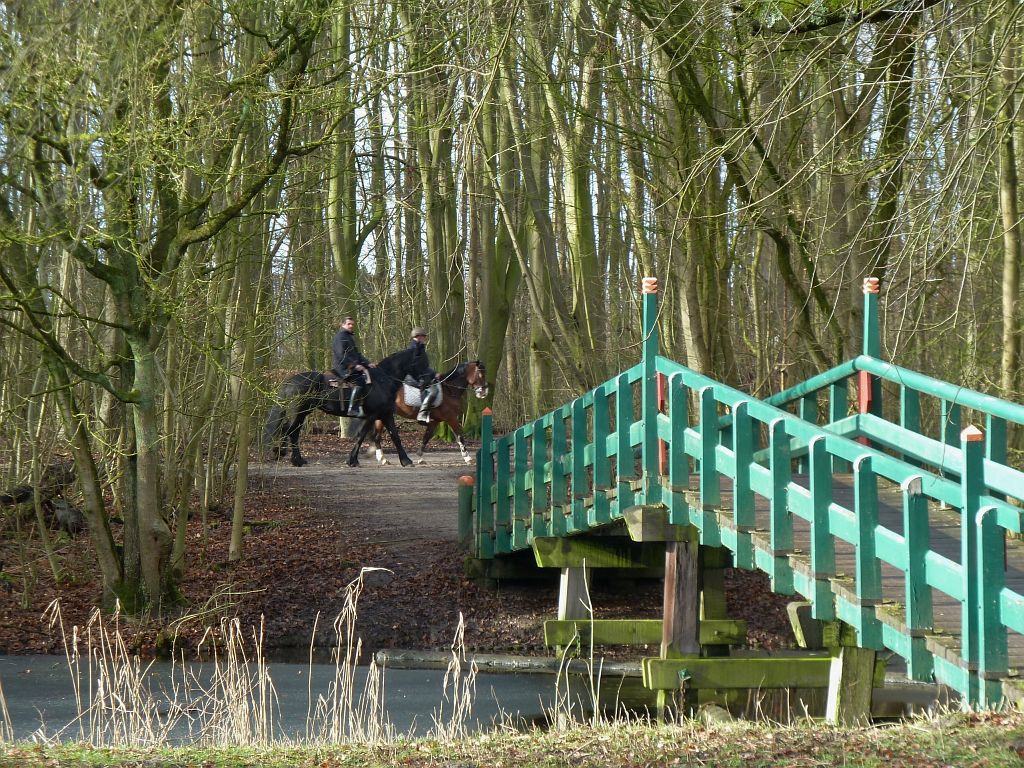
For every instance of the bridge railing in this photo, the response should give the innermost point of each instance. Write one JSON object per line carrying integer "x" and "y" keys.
{"x": 714, "y": 456}
{"x": 975, "y": 579}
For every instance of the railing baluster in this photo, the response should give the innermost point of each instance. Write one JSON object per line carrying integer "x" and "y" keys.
{"x": 839, "y": 409}
{"x": 710, "y": 487}
{"x": 580, "y": 484}
{"x": 743, "y": 515}
{"x": 539, "y": 501}
{"x": 559, "y": 489}
{"x": 807, "y": 409}
{"x": 823, "y": 547}
{"x": 625, "y": 469}
{"x": 520, "y": 506}
{"x": 910, "y": 414}
{"x": 502, "y": 506}
{"x": 599, "y": 511}
{"x": 781, "y": 531}
{"x": 918, "y": 594}
{"x": 868, "y": 566}
{"x": 678, "y": 460}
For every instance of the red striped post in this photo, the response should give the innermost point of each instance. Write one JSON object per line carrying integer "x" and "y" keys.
{"x": 869, "y": 388}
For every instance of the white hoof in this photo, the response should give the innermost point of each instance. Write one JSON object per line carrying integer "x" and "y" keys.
{"x": 468, "y": 459}
{"x": 380, "y": 457}
{"x": 420, "y": 460}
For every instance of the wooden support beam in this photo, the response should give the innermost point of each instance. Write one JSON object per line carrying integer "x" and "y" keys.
{"x": 595, "y": 552}
{"x": 808, "y": 631}
{"x": 649, "y": 522}
{"x": 681, "y": 612}
{"x": 637, "y": 632}
{"x": 573, "y": 598}
{"x": 696, "y": 672}
{"x": 851, "y": 675}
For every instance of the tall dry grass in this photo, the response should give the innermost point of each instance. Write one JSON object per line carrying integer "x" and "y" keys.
{"x": 231, "y": 700}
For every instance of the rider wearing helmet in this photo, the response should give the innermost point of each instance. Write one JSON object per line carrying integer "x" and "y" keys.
{"x": 429, "y": 384}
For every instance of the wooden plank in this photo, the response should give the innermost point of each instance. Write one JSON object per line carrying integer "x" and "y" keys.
{"x": 637, "y": 632}
{"x": 726, "y": 673}
{"x": 595, "y": 552}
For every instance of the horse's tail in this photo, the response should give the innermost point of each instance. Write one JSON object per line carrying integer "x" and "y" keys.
{"x": 273, "y": 433}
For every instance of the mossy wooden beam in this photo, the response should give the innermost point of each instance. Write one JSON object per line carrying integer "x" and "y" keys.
{"x": 649, "y": 522}
{"x": 637, "y": 632}
{"x": 726, "y": 673}
{"x": 596, "y": 552}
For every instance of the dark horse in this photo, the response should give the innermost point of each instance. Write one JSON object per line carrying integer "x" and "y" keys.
{"x": 304, "y": 392}
{"x": 453, "y": 388}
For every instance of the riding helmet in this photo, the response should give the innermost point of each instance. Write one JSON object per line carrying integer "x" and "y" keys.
{"x": 417, "y": 331}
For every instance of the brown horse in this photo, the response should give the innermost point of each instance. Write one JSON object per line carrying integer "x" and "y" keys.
{"x": 453, "y": 389}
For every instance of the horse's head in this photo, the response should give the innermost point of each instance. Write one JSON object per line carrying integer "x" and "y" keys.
{"x": 476, "y": 377}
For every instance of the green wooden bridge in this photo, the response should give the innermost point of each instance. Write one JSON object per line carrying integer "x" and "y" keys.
{"x": 894, "y": 532}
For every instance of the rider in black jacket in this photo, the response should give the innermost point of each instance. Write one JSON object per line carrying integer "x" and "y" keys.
{"x": 429, "y": 383}
{"x": 350, "y": 365}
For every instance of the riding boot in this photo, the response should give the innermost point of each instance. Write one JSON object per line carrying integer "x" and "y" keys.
{"x": 355, "y": 407}
{"x": 424, "y": 415}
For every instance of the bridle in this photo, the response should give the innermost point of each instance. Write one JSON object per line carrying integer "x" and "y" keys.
{"x": 479, "y": 380}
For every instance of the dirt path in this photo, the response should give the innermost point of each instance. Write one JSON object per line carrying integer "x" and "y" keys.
{"x": 404, "y": 519}
{"x": 389, "y": 505}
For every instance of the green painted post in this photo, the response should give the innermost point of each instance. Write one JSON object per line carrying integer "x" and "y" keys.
{"x": 973, "y": 555}
{"x": 839, "y": 409}
{"x": 949, "y": 414}
{"x": 743, "y": 515}
{"x": 781, "y": 522}
{"x": 578, "y": 476}
{"x": 485, "y": 487}
{"x": 625, "y": 469}
{"x": 649, "y": 393}
{"x": 502, "y": 505}
{"x": 465, "y": 511}
{"x": 918, "y": 595}
{"x": 520, "y": 505}
{"x": 823, "y": 545}
{"x": 539, "y": 501}
{"x": 599, "y": 510}
{"x": 710, "y": 485}
{"x": 910, "y": 414}
{"x": 807, "y": 409}
{"x": 990, "y": 576}
{"x": 678, "y": 460}
{"x": 995, "y": 443}
{"x": 868, "y": 566}
{"x": 559, "y": 489}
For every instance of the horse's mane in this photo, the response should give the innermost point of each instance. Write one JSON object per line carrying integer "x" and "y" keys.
{"x": 396, "y": 364}
{"x": 459, "y": 370}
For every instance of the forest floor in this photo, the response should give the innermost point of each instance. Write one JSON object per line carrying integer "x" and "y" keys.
{"x": 310, "y": 531}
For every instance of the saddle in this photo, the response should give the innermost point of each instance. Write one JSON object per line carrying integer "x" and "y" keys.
{"x": 334, "y": 381}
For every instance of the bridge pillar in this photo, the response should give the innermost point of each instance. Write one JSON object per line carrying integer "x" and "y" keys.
{"x": 869, "y": 388}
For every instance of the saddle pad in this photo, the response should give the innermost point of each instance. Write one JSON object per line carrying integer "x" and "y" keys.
{"x": 413, "y": 396}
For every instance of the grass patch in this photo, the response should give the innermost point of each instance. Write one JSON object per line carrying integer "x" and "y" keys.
{"x": 986, "y": 739}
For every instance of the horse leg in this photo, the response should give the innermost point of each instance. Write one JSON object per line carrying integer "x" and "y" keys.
{"x": 392, "y": 428}
{"x": 378, "y": 428}
{"x": 294, "y": 432}
{"x": 353, "y": 457}
{"x": 427, "y": 434}
{"x": 457, "y": 429}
